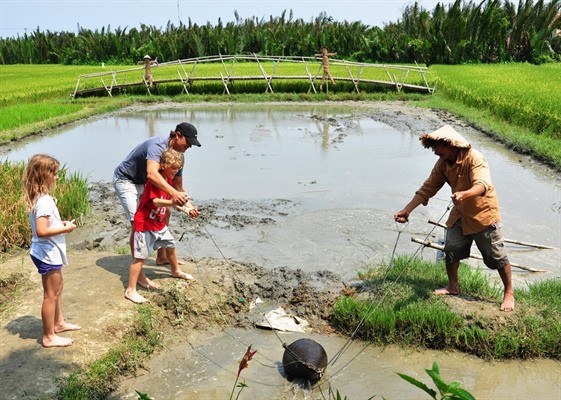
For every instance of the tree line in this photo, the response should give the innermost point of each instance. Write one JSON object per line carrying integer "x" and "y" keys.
{"x": 489, "y": 31}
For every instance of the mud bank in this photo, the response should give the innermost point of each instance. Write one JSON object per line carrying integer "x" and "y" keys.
{"x": 98, "y": 271}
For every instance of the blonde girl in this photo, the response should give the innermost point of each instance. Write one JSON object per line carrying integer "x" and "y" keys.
{"x": 48, "y": 245}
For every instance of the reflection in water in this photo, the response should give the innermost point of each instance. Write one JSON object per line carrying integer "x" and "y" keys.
{"x": 343, "y": 175}
{"x": 151, "y": 123}
{"x": 207, "y": 371}
{"x": 345, "y": 172}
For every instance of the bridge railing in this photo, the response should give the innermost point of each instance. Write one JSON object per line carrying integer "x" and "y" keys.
{"x": 229, "y": 69}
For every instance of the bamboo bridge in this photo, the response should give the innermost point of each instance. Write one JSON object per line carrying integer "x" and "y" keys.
{"x": 229, "y": 69}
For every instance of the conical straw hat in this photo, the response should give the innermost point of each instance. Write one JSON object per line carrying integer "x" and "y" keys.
{"x": 446, "y": 134}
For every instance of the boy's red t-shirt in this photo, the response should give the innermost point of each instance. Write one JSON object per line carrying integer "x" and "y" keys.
{"x": 147, "y": 216}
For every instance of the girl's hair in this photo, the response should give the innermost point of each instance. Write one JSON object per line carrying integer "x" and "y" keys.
{"x": 171, "y": 158}
{"x": 36, "y": 179}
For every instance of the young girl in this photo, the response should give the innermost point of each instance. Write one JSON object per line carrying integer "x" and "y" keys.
{"x": 150, "y": 229}
{"x": 48, "y": 246}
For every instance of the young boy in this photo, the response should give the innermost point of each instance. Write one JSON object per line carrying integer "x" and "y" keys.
{"x": 150, "y": 229}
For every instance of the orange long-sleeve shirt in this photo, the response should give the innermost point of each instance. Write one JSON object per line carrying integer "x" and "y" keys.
{"x": 476, "y": 213}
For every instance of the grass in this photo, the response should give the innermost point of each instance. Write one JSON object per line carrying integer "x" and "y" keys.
{"x": 531, "y": 90}
{"x": 518, "y": 104}
{"x": 12, "y": 288}
{"x": 101, "y": 377}
{"x": 15, "y": 230}
{"x": 515, "y": 103}
{"x": 401, "y": 310}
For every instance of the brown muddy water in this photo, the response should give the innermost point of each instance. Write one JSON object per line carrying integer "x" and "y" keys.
{"x": 208, "y": 371}
{"x": 314, "y": 186}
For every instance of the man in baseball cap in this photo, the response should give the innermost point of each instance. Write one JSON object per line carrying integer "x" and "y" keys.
{"x": 143, "y": 164}
{"x": 189, "y": 131}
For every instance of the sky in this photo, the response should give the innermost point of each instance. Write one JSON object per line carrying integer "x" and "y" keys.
{"x": 20, "y": 16}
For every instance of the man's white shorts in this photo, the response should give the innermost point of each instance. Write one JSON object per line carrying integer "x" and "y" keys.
{"x": 129, "y": 195}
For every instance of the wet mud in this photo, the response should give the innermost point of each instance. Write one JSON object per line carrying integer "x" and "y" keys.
{"x": 298, "y": 251}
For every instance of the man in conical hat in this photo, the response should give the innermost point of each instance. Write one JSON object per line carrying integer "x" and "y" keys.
{"x": 475, "y": 215}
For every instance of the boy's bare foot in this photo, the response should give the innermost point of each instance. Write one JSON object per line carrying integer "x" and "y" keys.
{"x": 508, "y": 303}
{"x": 183, "y": 275}
{"x": 135, "y": 297}
{"x": 445, "y": 292}
{"x": 166, "y": 262}
{"x": 56, "y": 341}
{"x": 67, "y": 326}
{"x": 148, "y": 284}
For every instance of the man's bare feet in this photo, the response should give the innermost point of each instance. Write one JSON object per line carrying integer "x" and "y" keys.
{"x": 149, "y": 284}
{"x": 56, "y": 341}
{"x": 183, "y": 275}
{"x": 67, "y": 326}
{"x": 135, "y": 297}
{"x": 508, "y": 302}
{"x": 445, "y": 292}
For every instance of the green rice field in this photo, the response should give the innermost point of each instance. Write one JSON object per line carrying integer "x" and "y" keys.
{"x": 517, "y": 103}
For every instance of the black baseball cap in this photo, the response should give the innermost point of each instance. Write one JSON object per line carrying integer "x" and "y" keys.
{"x": 189, "y": 131}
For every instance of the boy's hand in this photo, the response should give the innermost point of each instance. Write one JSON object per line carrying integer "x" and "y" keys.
{"x": 189, "y": 209}
{"x": 194, "y": 212}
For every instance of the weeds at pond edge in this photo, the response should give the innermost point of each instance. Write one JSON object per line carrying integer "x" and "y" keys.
{"x": 538, "y": 313}
{"x": 448, "y": 391}
{"x": 404, "y": 311}
{"x": 12, "y": 287}
{"x": 101, "y": 377}
{"x": 244, "y": 363}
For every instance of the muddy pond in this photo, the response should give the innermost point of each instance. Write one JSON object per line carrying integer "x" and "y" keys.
{"x": 314, "y": 186}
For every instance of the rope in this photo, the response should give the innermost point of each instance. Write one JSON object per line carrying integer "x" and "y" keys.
{"x": 223, "y": 317}
{"x": 374, "y": 306}
{"x": 349, "y": 341}
{"x": 287, "y": 349}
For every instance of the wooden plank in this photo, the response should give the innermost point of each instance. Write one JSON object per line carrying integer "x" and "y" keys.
{"x": 264, "y": 74}
{"x": 428, "y": 243}
{"x": 230, "y": 78}
{"x": 537, "y": 246}
{"x": 310, "y": 78}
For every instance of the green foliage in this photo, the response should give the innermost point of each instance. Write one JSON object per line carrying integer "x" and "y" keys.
{"x": 461, "y": 32}
{"x": 101, "y": 377}
{"x": 143, "y": 396}
{"x": 521, "y": 95}
{"x": 14, "y": 116}
{"x": 37, "y": 97}
{"x": 401, "y": 309}
{"x": 15, "y": 230}
{"x": 72, "y": 196}
{"x": 33, "y": 83}
{"x": 451, "y": 391}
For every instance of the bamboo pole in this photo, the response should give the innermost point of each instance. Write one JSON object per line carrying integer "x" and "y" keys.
{"x": 428, "y": 243}
{"x": 537, "y": 246}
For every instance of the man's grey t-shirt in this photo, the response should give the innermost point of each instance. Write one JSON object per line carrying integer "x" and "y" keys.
{"x": 133, "y": 168}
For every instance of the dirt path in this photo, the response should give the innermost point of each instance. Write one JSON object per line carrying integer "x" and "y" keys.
{"x": 93, "y": 298}
{"x": 97, "y": 275}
